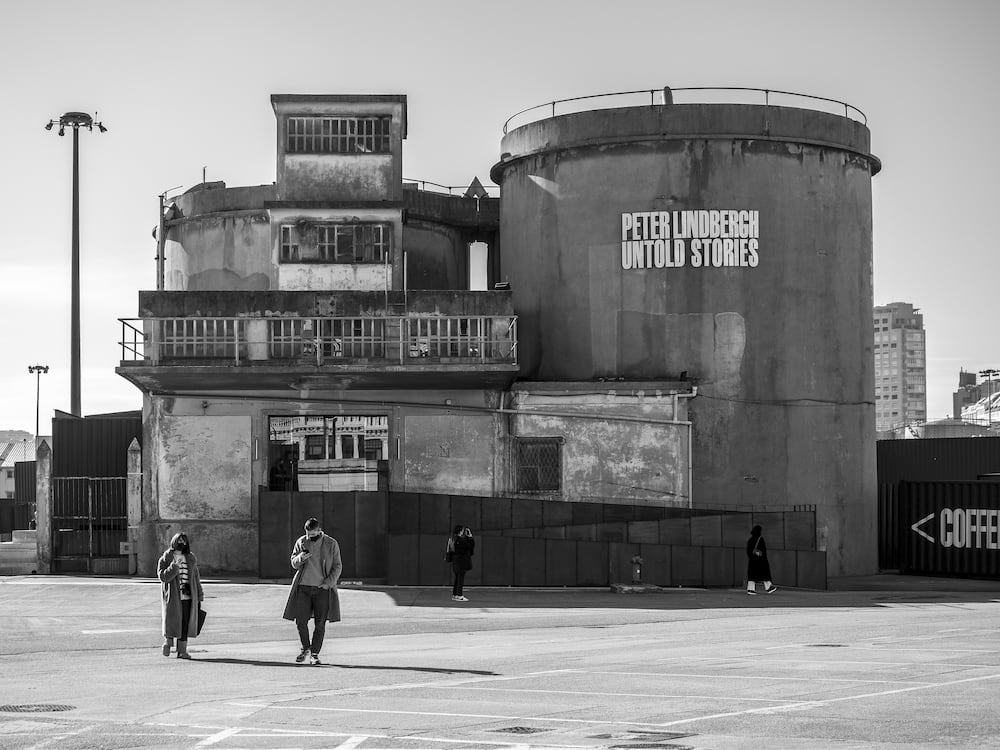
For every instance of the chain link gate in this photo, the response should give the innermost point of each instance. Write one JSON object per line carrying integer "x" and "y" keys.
{"x": 89, "y": 524}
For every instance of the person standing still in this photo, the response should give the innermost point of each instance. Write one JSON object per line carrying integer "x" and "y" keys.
{"x": 317, "y": 564}
{"x": 181, "y": 594}
{"x": 758, "y": 568}
{"x": 461, "y": 547}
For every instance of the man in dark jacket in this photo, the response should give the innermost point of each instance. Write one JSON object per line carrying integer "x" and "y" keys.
{"x": 317, "y": 564}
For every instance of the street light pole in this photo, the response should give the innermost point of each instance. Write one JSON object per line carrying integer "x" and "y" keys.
{"x": 75, "y": 120}
{"x": 37, "y": 370}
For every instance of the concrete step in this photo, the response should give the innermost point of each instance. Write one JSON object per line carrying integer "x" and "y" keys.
{"x": 18, "y": 552}
{"x": 23, "y": 535}
{"x": 17, "y": 569}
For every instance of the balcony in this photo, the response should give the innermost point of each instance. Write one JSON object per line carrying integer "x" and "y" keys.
{"x": 277, "y": 350}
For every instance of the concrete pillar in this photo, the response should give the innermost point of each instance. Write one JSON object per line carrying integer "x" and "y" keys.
{"x": 43, "y": 506}
{"x": 133, "y": 501}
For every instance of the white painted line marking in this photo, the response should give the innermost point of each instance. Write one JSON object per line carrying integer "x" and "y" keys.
{"x": 629, "y": 695}
{"x": 492, "y": 717}
{"x": 708, "y": 676}
{"x": 828, "y": 701}
{"x": 352, "y": 742}
{"x": 111, "y": 632}
{"x": 218, "y": 737}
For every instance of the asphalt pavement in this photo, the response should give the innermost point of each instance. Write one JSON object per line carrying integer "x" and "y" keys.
{"x": 882, "y": 661}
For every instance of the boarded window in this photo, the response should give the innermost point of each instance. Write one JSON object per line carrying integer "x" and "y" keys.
{"x": 538, "y": 464}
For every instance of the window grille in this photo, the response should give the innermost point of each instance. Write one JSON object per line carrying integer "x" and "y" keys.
{"x": 315, "y": 446}
{"x": 335, "y": 243}
{"x": 538, "y": 464}
{"x": 339, "y": 135}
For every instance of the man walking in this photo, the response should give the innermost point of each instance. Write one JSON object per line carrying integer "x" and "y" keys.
{"x": 316, "y": 561}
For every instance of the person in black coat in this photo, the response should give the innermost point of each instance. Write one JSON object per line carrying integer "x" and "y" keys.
{"x": 461, "y": 547}
{"x": 758, "y": 568}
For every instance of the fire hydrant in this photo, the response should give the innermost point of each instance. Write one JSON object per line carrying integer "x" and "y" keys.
{"x": 636, "y": 569}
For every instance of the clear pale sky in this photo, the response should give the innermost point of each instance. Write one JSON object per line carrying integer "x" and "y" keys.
{"x": 186, "y": 85}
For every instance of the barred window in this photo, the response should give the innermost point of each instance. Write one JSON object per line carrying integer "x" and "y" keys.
{"x": 338, "y": 135}
{"x": 538, "y": 464}
{"x": 335, "y": 243}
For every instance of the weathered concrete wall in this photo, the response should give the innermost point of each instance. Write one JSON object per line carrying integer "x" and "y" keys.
{"x": 436, "y": 257}
{"x": 641, "y": 459}
{"x": 448, "y": 452}
{"x": 780, "y": 346}
{"x": 219, "y": 238}
{"x": 203, "y": 468}
{"x": 332, "y": 304}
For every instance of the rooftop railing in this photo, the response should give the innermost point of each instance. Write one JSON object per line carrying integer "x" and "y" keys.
{"x": 435, "y": 187}
{"x": 406, "y": 340}
{"x": 688, "y": 95}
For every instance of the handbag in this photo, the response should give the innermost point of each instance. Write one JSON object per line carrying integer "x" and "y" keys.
{"x": 202, "y": 614}
{"x": 756, "y": 552}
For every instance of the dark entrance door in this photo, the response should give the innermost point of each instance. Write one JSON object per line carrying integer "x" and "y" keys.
{"x": 89, "y": 523}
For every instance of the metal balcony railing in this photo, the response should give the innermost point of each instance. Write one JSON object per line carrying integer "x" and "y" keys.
{"x": 389, "y": 340}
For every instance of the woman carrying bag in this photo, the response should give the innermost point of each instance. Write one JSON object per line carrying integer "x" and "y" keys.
{"x": 758, "y": 568}
{"x": 181, "y": 594}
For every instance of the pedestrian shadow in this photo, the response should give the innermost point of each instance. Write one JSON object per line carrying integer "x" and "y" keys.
{"x": 249, "y": 662}
{"x": 269, "y": 663}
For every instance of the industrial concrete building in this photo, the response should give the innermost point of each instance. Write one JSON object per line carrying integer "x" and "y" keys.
{"x": 681, "y": 321}
{"x": 900, "y": 368}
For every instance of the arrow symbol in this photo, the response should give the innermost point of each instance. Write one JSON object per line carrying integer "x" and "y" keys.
{"x": 921, "y": 522}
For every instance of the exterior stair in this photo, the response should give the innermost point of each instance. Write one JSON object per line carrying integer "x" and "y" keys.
{"x": 20, "y": 555}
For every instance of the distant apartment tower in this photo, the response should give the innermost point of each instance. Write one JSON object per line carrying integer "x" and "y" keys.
{"x": 900, "y": 367}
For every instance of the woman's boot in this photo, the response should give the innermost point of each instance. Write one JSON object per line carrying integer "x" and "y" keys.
{"x": 168, "y": 643}
{"x": 182, "y": 650}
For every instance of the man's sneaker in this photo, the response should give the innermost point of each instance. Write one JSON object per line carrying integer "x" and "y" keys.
{"x": 314, "y": 660}
{"x": 771, "y": 590}
{"x": 462, "y": 599}
{"x": 751, "y": 593}
{"x": 455, "y": 598}
{"x": 302, "y": 656}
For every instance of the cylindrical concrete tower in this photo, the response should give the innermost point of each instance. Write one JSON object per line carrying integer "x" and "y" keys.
{"x": 727, "y": 244}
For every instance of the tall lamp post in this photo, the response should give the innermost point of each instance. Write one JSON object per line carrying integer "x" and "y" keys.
{"x": 989, "y": 374}
{"x": 75, "y": 120}
{"x": 37, "y": 371}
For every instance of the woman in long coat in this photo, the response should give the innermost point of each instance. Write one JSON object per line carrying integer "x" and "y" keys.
{"x": 181, "y": 593}
{"x": 461, "y": 547}
{"x": 758, "y": 568}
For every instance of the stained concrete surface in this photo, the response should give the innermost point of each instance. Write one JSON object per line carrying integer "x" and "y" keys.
{"x": 883, "y": 661}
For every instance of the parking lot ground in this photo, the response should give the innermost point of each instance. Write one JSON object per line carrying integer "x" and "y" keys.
{"x": 882, "y": 661}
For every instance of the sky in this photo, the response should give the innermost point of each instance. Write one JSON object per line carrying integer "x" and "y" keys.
{"x": 184, "y": 89}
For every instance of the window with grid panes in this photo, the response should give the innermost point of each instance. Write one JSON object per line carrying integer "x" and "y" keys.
{"x": 339, "y": 135}
{"x": 315, "y": 446}
{"x": 538, "y": 467}
{"x": 335, "y": 243}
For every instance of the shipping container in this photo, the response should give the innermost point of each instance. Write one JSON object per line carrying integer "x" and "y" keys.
{"x": 950, "y": 528}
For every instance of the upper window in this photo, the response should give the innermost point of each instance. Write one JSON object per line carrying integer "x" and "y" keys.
{"x": 307, "y": 242}
{"x": 338, "y": 135}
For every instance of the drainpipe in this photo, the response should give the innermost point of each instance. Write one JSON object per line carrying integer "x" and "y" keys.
{"x": 160, "y": 246}
{"x": 677, "y": 397}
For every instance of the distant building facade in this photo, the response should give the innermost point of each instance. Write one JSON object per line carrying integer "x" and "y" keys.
{"x": 978, "y": 403}
{"x": 900, "y": 368}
